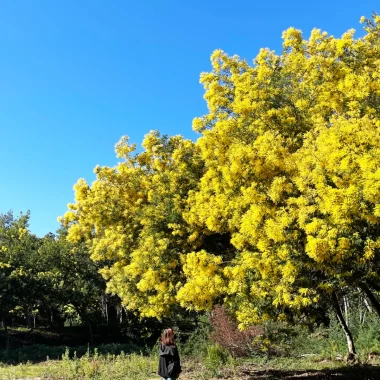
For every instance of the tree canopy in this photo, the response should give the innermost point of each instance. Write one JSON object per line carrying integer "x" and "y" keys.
{"x": 272, "y": 210}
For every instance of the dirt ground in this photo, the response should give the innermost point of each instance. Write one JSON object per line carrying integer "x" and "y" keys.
{"x": 340, "y": 374}
{"x": 252, "y": 373}
{"x": 343, "y": 374}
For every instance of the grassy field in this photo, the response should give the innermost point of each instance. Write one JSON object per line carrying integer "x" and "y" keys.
{"x": 305, "y": 355}
{"x": 143, "y": 367}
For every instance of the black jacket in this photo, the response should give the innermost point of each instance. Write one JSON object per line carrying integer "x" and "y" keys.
{"x": 169, "y": 364}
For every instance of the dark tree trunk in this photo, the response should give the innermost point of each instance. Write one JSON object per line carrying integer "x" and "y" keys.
{"x": 7, "y": 338}
{"x": 373, "y": 285}
{"x": 28, "y": 319}
{"x": 90, "y": 333}
{"x": 374, "y": 302}
{"x": 343, "y": 324}
{"x": 85, "y": 318}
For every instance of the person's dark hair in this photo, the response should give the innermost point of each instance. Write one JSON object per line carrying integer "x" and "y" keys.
{"x": 168, "y": 337}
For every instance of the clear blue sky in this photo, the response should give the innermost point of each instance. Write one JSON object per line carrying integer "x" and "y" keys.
{"x": 77, "y": 75}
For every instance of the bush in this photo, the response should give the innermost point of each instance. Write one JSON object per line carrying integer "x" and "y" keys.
{"x": 226, "y": 334}
{"x": 198, "y": 341}
{"x": 216, "y": 358}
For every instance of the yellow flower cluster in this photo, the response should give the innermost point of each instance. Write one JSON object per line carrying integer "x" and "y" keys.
{"x": 275, "y": 203}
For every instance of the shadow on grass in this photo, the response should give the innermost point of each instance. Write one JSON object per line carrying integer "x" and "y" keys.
{"x": 344, "y": 373}
{"x": 40, "y": 353}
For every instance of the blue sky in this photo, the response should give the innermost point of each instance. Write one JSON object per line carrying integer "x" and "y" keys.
{"x": 75, "y": 76}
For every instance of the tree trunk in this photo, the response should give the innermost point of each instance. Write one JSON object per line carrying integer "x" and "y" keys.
{"x": 84, "y": 317}
{"x": 367, "y": 305}
{"x": 90, "y": 333}
{"x": 28, "y": 318}
{"x": 362, "y": 308}
{"x": 343, "y": 324}
{"x": 374, "y": 302}
{"x": 7, "y": 339}
{"x": 119, "y": 313}
{"x": 346, "y": 307}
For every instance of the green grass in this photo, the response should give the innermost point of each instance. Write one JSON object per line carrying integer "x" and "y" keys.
{"x": 40, "y": 352}
{"x": 122, "y": 366}
{"x": 143, "y": 367}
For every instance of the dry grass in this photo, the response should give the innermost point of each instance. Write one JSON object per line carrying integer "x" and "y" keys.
{"x": 138, "y": 367}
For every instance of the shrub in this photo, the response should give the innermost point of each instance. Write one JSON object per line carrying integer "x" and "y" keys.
{"x": 196, "y": 344}
{"x": 216, "y": 358}
{"x": 225, "y": 333}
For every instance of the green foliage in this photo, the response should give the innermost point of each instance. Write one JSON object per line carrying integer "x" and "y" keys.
{"x": 197, "y": 342}
{"x": 138, "y": 367}
{"x": 123, "y": 366}
{"x": 45, "y": 277}
{"x": 76, "y": 286}
{"x": 37, "y": 353}
{"x": 276, "y": 339}
{"x": 284, "y": 340}
{"x": 217, "y": 357}
{"x": 365, "y": 333}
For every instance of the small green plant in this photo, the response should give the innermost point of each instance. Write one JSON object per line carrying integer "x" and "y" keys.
{"x": 216, "y": 358}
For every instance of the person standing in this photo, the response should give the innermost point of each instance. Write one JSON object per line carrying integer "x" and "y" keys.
{"x": 169, "y": 364}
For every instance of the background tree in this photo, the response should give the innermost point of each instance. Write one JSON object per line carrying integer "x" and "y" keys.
{"x": 22, "y": 285}
{"x": 75, "y": 280}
